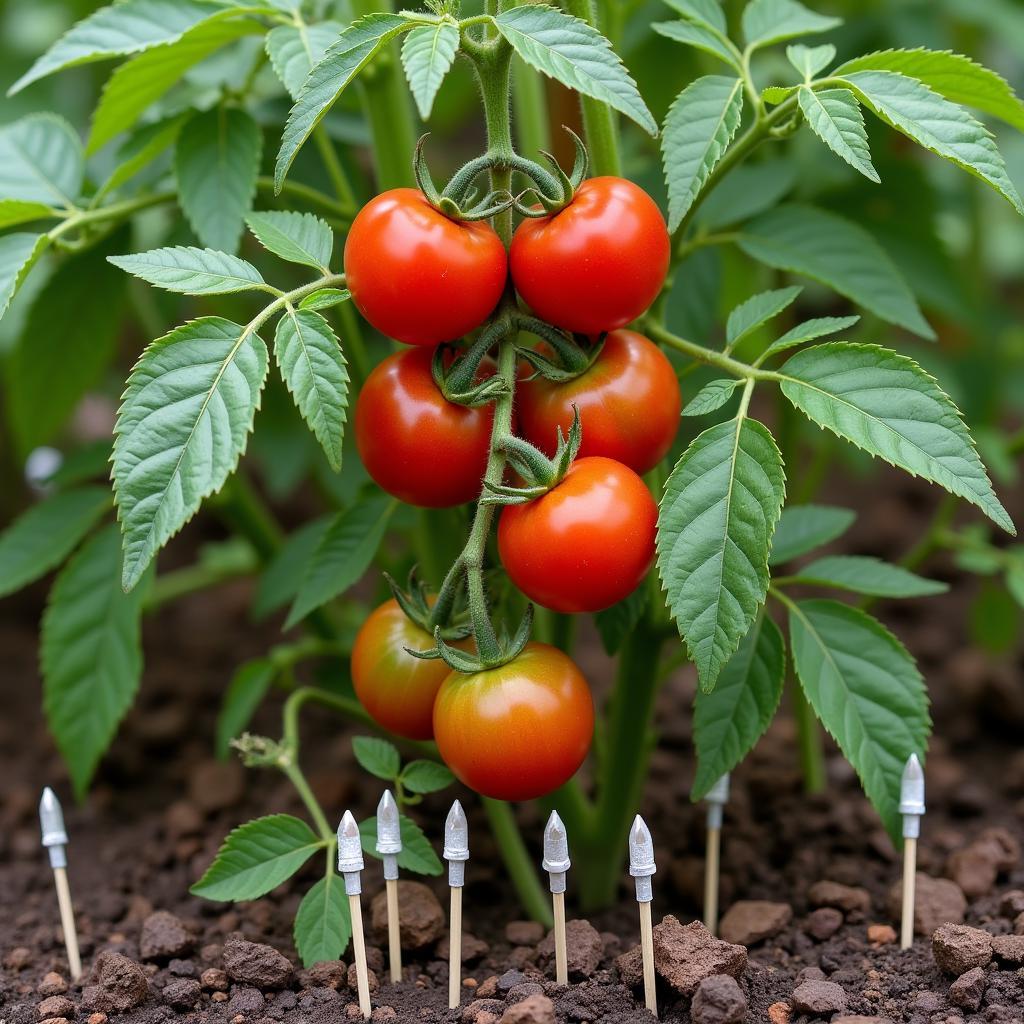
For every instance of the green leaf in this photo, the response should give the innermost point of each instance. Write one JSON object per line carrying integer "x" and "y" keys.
{"x": 730, "y": 720}
{"x": 313, "y": 368}
{"x": 803, "y": 528}
{"x": 296, "y": 237}
{"x": 343, "y": 554}
{"x": 426, "y": 777}
{"x": 417, "y": 854}
{"x": 750, "y": 314}
{"x": 21, "y": 211}
{"x": 140, "y": 82}
{"x": 952, "y": 75}
{"x": 818, "y": 327}
{"x": 294, "y": 50}
{"x": 704, "y": 12}
{"x": 18, "y": 252}
{"x": 719, "y": 511}
{"x": 771, "y": 21}
{"x": 323, "y": 924}
{"x": 328, "y": 78}
{"x": 890, "y": 407}
{"x": 257, "y": 857}
{"x": 90, "y": 654}
{"x": 44, "y": 535}
{"x": 698, "y": 128}
{"x": 932, "y": 121}
{"x": 325, "y": 298}
{"x": 283, "y": 575}
{"x": 712, "y": 396}
{"x": 377, "y": 756}
{"x": 428, "y": 53}
{"x": 575, "y": 54}
{"x": 216, "y": 161}
{"x": 617, "y": 622}
{"x": 834, "y": 116}
{"x": 121, "y": 29}
{"x": 747, "y": 190}
{"x": 183, "y": 424}
{"x": 699, "y": 36}
{"x": 868, "y": 693}
{"x": 41, "y": 161}
{"x": 864, "y": 575}
{"x": 191, "y": 271}
{"x": 245, "y": 692}
{"x": 809, "y": 60}
{"x": 839, "y": 253}
{"x": 142, "y": 148}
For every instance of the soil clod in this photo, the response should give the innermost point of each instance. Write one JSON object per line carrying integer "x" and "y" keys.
{"x": 748, "y": 922}
{"x": 254, "y": 963}
{"x": 718, "y": 1000}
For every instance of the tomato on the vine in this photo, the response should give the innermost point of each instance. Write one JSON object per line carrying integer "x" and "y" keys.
{"x": 416, "y": 444}
{"x": 518, "y": 731}
{"x": 419, "y": 276}
{"x": 596, "y": 264}
{"x": 585, "y": 544}
{"x": 396, "y": 689}
{"x": 628, "y": 401}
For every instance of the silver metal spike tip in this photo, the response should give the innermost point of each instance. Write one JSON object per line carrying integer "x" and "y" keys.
{"x": 389, "y": 835}
{"x": 912, "y": 797}
{"x": 716, "y": 798}
{"x": 641, "y": 859}
{"x": 456, "y": 844}
{"x": 51, "y": 821}
{"x": 556, "y": 852}
{"x": 350, "y": 854}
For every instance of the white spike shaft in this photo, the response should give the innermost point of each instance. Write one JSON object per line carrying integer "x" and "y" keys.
{"x": 909, "y": 885}
{"x": 455, "y": 949}
{"x": 394, "y": 931}
{"x": 647, "y": 949}
{"x": 359, "y": 948}
{"x": 711, "y": 873}
{"x": 561, "y": 950}
{"x": 67, "y": 922}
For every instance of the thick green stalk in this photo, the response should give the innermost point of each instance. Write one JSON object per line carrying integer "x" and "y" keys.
{"x": 809, "y": 740}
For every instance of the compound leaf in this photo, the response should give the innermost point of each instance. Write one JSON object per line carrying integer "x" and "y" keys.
{"x": 834, "y": 116}
{"x": 712, "y": 396}
{"x": 751, "y": 313}
{"x": 191, "y": 271}
{"x": 700, "y": 36}
{"x": 294, "y": 50}
{"x": 296, "y": 237}
{"x": 809, "y": 330}
{"x": 428, "y": 53}
{"x": 771, "y": 21}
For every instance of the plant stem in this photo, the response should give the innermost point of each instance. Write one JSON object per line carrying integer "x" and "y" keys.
{"x": 809, "y": 739}
{"x": 335, "y": 171}
{"x": 518, "y": 861}
{"x": 170, "y": 586}
{"x": 706, "y": 355}
{"x": 296, "y": 777}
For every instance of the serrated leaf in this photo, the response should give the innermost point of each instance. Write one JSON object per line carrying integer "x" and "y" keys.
{"x": 41, "y": 161}
{"x": 313, "y": 368}
{"x": 758, "y": 309}
{"x": 45, "y": 534}
{"x": 323, "y": 923}
{"x": 325, "y": 298}
{"x": 886, "y": 404}
{"x": 18, "y": 252}
{"x": 417, "y": 854}
{"x": 775, "y": 94}
{"x": 809, "y": 60}
{"x": 712, "y": 396}
{"x": 704, "y": 12}
{"x": 142, "y": 148}
{"x": 293, "y": 50}
{"x": 932, "y": 121}
{"x": 426, "y": 777}
{"x": 216, "y": 161}
{"x": 283, "y": 575}
{"x": 90, "y": 654}
{"x": 575, "y": 54}
{"x": 428, "y": 53}
{"x": 257, "y": 857}
{"x": 834, "y": 116}
{"x": 698, "y": 128}
{"x": 21, "y": 211}
{"x": 803, "y": 528}
{"x": 617, "y": 622}
{"x": 817, "y": 327}
{"x": 700, "y": 36}
{"x": 329, "y": 77}
{"x": 840, "y": 254}
{"x": 191, "y": 271}
{"x": 867, "y": 692}
{"x": 377, "y": 756}
{"x": 771, "y": 21}
{"x": 864, "y": 575}
{"x": 715, "y": 527}
{"x": 728, "y": 721}
{"x": 245, "y": 692}
{"x": 140, "y": 82}
{"x": 296, "y": 237}
{"x": 183, "y": 424}
{"x": 952, "y": 75}
{"x": 343, "y": 554}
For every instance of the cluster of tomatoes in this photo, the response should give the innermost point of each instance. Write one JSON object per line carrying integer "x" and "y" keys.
{"x": 521, "y": 729}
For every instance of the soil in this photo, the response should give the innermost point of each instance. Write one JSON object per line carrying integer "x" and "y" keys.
{"x": 161, "y": 806}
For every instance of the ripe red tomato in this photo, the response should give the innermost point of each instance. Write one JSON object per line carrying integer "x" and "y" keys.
{"x": 518, "y": 731}
{"x": 417, "y": 275}
{"x": 396, "y": 689}
{"x": 416, "y": 444}
{"x": 628, "y": 402}
{"x": 598, "y": 263}
{"x": 585, "y": 544}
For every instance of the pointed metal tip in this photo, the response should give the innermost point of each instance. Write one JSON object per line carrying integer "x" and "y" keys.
{"x": 719, "y": 792}
{"x": 51, "y": 819}
{"x": 348, "y": 828}
{"x": 389, "y": 826}
{"x": 556, "y": 846}
{"x": 554, "y": 825}
{"x": 350, "y": 845}
{"x": 455, "y": 815}
{"x": 456, "y": 834}
{"x": 912, "y": 787}
{"x": 641, "y": 849}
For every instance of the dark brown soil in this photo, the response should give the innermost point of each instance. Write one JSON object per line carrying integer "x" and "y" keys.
{"x": 161, "y": 807}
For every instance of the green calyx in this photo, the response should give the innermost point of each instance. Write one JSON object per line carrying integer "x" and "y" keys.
{"x": 415, "y": 603}
{"x": 508, "y": 649}
{"x": 553, "y": 192}
{"x": 458, "y": 382}
{"x": 462, "y": 203}
{"x": 571, "y": 359}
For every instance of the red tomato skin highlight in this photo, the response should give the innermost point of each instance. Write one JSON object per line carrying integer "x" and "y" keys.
{"x": 629, "y": 404}
{"x": 584, "y": 545}
{"x": 416, "y": 275}
{"x": 417, "y": 445}
{"x": 519, "y": 731}
{"x": 597, "y": 264}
